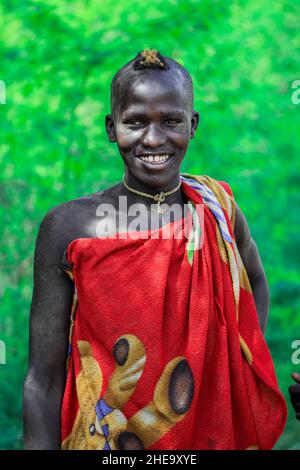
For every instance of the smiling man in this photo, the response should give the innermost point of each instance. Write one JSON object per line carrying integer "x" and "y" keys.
{"x": 165, "y": 343}
{"x": 160, "y": 101}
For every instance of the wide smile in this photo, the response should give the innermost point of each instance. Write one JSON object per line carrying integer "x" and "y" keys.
{"x": 155, "y": 161}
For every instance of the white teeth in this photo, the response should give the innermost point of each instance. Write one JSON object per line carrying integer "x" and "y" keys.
{"x": 155, "y": 158}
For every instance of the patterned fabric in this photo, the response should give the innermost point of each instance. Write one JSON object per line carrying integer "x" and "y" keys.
{"x": 226, "y": 243}
{"x": 212, "y": 203}
{"x": 166, "y": 350}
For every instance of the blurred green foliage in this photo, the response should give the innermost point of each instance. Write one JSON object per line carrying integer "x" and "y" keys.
{"x": 57, "y": 59}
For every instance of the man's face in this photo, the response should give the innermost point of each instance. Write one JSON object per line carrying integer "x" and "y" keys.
{"x": 152, "y": 127}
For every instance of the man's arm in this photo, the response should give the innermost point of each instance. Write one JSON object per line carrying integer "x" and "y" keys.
{"x": 49, "y": 327}
{"x": 253, "y": 265}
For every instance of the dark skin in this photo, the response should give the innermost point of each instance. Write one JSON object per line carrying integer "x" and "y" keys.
{"x": 165, "y": 123}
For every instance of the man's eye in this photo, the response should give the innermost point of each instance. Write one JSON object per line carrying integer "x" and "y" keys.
{"x": 172, "y": 121}
{"x": 135, "y": 122}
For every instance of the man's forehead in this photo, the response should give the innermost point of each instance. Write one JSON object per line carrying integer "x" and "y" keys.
{"x": 158, "y": 82}
{"x": 142, "y": 92}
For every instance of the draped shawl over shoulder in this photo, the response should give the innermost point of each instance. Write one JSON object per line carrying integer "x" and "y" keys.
{"x": 165, "y": 347}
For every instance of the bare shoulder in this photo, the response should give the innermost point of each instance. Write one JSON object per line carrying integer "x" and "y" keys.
{"x": 246, "y": 245}
{"x": 241, "y": 228}
{"x": 59, "y": 226}
{"x": 73, "y": 219}
{"x": 58, "y": 215}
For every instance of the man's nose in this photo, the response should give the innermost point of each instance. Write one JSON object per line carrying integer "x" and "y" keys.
{"x": 153, "y": 136}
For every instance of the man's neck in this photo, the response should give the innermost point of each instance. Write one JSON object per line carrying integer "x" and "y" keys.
{"x": 137, "y": 185}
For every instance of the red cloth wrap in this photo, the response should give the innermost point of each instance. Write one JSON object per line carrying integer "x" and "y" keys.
{"x": 147, "y": 288}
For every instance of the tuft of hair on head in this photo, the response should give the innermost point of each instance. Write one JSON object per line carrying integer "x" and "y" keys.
{"x": 150, "y": 58}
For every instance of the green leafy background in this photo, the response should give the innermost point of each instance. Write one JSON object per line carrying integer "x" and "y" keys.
{"x": 57, "y": 59}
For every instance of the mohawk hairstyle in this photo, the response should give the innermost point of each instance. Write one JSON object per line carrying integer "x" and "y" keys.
{"x": 143, "y": 62}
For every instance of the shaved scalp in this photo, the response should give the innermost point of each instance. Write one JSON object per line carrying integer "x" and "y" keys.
{"x": 142, "y": 66}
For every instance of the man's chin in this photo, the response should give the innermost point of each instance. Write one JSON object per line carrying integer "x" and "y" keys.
{"x": 158, "y": 181}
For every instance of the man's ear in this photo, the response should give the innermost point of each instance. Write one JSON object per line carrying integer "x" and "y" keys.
{"x": 110, "y": 128}
{"x": 195, "y": 122}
